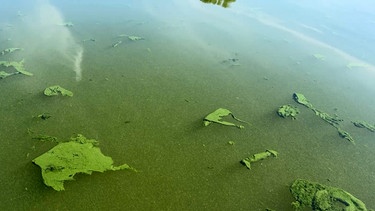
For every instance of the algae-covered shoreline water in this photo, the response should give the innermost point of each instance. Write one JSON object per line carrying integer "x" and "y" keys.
{"x": 145, "y": 100}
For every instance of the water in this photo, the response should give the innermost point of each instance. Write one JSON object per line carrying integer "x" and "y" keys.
{"x": 144, "y": 101}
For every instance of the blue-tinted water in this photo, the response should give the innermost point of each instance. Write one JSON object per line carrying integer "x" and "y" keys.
{"x": 144, "y": 100}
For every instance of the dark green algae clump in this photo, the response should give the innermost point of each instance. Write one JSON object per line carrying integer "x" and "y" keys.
{"x": 288, "y": 111}
{"x": 323, "y": 198}
{"x": 79, "y": 155}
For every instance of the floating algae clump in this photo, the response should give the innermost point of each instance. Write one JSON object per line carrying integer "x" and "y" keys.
{"x": 288, "y": 110}
{"x": 345, "y": 135}
{"x": 135, "y": 38}
{"x": 18, "y": 66}
{"x": 321, "y": 197}
{"x": 362, "y": 124}
{"x": 334, "y": 121}
{"x": 55, "y": 90}
{"x": 217, "y": 115}
{"x": 79, "y": 155}
{"x": 4, "y": 74}
{"x": 223, "y": 3}
{"x": 301, "y": 99}
{"x": 10, "y": 50}
{"x": 116, "y": 44}
{"x": 257, "y": 157}
{"x": 356, "y": 64}
{"x": 131, "y": 37}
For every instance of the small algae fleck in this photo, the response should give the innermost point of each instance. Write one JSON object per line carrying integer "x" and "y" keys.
{"x": 319, "y": 56}
{"x": 217, "y": 115}
{"x": 67, "y": 24}
{"x": 356, "y": 65}
{"x": 114, "y": 45}
{"x": 79, "y": 155}
{"x": 56, "y": 90}
{"x": 322, "y": 197}
{"x": 135, "y": 38}
{"x": 44, "y": 116}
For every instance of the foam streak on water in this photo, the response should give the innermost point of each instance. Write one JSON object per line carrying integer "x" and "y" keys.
{"x": 77, "y": 63}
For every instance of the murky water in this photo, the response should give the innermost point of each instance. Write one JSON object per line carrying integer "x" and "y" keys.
{"x": 144, "y": 101}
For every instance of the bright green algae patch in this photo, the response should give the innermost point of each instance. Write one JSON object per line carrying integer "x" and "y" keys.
{"x": 322, "y": 197}
{"x": 259, "y": 156}
{"x": 79, "y": 155}
{"x": 217, "y": 115}
{"x": 56, "y": 90}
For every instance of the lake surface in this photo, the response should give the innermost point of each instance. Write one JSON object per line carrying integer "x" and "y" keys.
{"x": 144, "y": 101}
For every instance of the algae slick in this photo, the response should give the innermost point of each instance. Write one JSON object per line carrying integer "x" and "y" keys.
{"x": 322, "y": 197}
{"x": 79, "y": 155}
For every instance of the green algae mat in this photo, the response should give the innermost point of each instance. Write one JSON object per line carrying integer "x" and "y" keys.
{"x": 79, "y": 155}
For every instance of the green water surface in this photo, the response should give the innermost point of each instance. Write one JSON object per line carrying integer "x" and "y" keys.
{"x": 144, "y": 101}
